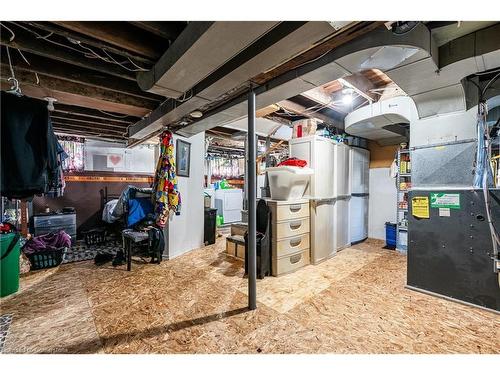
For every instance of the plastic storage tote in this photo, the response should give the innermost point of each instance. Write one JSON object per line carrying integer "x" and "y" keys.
{"x": 9, "y": 264}
{"x": 287, "y": 182}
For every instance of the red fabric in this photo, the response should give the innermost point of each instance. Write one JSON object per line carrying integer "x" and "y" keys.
{"x": 293, "y": 162}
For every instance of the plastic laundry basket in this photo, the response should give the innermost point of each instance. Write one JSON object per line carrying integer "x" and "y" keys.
{"x": 9, "y": 268}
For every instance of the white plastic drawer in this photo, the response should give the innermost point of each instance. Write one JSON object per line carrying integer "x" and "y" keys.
{"x": 290, "y": 263}
{"x": 290, "y": 228}
{"x": 289, "y": 211}
{"x": 291, "y": 245}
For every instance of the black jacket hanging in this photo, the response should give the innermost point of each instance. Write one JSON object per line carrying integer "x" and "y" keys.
{"x": 29, "y": 153}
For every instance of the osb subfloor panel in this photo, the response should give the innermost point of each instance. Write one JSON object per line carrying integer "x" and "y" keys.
{"x": 353, "y": 303}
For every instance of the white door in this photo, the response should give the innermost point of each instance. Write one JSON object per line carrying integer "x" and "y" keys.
{"x": 341, "y": 179}
{"x": 341, "y": 221}
{"x": 322, "y": 230}
{"x": 358, "y": 218}
{"x": 359, "y": 171}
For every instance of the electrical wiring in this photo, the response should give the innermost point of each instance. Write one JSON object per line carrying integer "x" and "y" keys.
{"x": 184, "y": 96}
{"x": 11, "y": 32}
{"x": 484, "y": 172}
{"x": 45, "y": 37}
{"x": 489, "y": 83}
{"x": 27, "y": 62}
{"x": 93, "y": 54}
{"x": 10, "y": 64}
{"x": 111, "y": 114}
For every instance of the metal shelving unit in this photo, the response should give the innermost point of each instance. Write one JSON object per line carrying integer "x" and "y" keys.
{"x": 403, "y": 182}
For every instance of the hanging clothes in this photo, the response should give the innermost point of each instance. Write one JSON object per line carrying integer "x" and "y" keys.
{"x": 29, "y": 147}
{"x": 56, "y": 183}
{"x": 166, "y": 196}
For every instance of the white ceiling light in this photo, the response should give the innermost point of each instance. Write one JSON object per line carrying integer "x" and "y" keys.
{"x": 196, "y": 114}
{"x": 347, "y": 95}
{"x": 388, "y": 57}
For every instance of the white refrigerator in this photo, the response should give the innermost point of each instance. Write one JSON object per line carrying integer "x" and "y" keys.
{"x": 327, "y": 186}
{"x": 358, "y": 206}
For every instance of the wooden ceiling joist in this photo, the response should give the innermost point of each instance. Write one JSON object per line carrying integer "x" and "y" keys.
{"x": 51, "y": 83}
{"x": 120, "y": 35}
{"x": 68, "y": 125}
{"x": 86, "y": 133}
{"x": 75, "y": 74}
{"x": 168, "y": 30}
{"x": 300, "y": 110}
{"x": 28, "y": 42}
{"x": 89, "y": 113}
{"x": 50, "y": 27}
{"x": 40, "y": 92}
{"x": 89, "y": 122}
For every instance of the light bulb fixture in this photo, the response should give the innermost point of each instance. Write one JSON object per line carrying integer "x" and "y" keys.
{"x": 347, "y": 99}
{"x": 347, "y": 95}
{"x": 51, "y": 101}
{"x": 196, "y": 114}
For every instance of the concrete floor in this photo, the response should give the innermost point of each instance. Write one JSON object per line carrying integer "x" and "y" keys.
{"x": 353, "y": 303}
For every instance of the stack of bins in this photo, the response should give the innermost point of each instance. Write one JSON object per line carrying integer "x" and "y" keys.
{"x": 290, "y": 235}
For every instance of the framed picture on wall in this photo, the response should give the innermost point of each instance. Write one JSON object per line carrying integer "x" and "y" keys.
{"x": 183, "y": 156}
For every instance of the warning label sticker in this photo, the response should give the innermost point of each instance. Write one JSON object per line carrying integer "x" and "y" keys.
{"x": 445, "y": 200}
{"x": 420, "y": 207}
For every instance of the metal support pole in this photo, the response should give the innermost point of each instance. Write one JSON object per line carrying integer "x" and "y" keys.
{"x": 252, "y": 202}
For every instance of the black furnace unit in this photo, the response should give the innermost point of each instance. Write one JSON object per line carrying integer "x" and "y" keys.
{"x": 450, "y": 250}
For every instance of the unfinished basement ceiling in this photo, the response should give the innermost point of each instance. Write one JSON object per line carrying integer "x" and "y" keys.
{"x": 89, "y": 67}
{"x": 282, "y": 44}
{"x": 430, "y": 75}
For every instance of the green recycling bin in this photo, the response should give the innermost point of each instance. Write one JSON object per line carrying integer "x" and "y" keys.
{"x": 9, "y": 267}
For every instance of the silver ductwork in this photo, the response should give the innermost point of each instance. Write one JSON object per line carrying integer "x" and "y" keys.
{"x": 273, "y": 44}
{"x": 412, "y": 61}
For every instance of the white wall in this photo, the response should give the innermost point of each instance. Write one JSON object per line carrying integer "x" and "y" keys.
{"x": 140, "y": 159}
{"x": 382, "y": 205}
{"x": 185, "y": 232}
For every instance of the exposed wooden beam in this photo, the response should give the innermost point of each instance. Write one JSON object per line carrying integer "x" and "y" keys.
{"x": 89, "y": 122}
{"x": 119, "y": 34}
{"x": 89, "y": 113}
{"x": 64, "y": 123}
{"x": 27, "y": 42}
{"x": 82, "y": 133}
{"x": 59, "y": 85}
{"x": 267, "y": 110}
{"x": 301, "y": 111}
{"x": 320, "y": 96}
{"x": 40, "y": 92}
{"x": 361, "y": 85}
{"x": 76, "y": 74}
{"x": 52, "y": 28}
{"x": 165, "y": 29}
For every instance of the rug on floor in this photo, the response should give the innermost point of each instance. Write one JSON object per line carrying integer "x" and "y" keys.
{"x": 82, "y": 252}
{"x": 5, "y": 321}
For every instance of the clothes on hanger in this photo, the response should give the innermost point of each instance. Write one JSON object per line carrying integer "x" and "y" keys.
{"x": 29, "y": 158}
{"x": 56, "y": 183}
{"x": 166, "y": 196}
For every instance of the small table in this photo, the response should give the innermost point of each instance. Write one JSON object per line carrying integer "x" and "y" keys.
{"x": 130, "y": 236}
